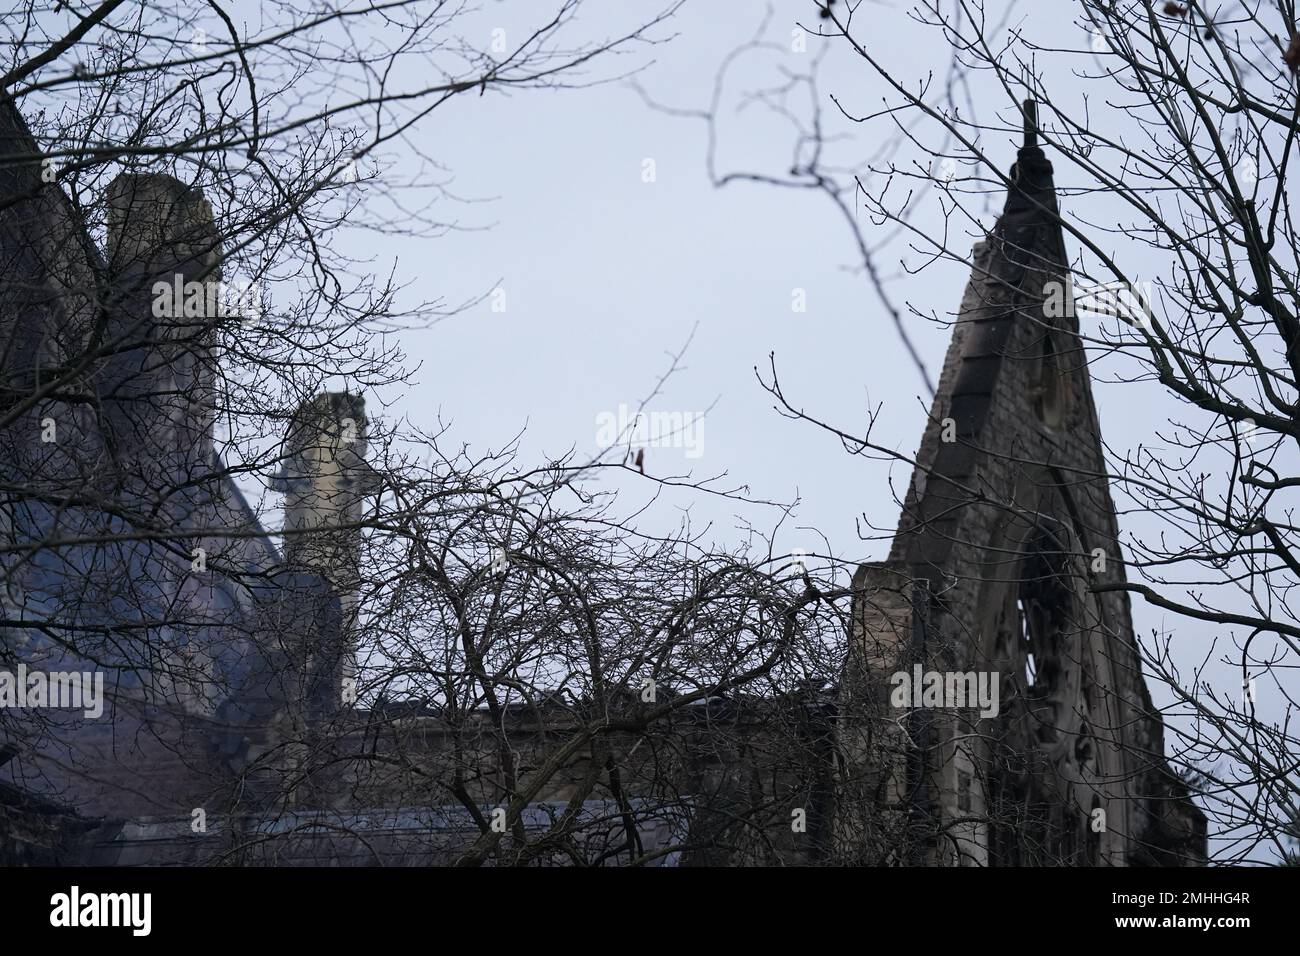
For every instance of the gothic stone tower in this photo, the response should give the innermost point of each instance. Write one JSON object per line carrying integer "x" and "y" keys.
{"x": 1007, "y": 531}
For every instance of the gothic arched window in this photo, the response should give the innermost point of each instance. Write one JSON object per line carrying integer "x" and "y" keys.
{"x": 1044, "y": 611}
{"x": 1051, "y": 384}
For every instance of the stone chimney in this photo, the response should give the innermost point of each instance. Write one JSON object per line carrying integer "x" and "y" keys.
{"x": 326, "y": 479}
{"x": 165, "y": 251}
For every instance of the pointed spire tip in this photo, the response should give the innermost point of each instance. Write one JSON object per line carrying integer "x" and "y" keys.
{"x": 1030, "y": 111}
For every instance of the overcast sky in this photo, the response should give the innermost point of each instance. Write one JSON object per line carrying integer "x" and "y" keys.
{"x": 605, "y": 275}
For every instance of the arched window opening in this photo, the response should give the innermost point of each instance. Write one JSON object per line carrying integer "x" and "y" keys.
{"x": 1051, "y": 388}
{"x": 1032, "y": 637}
{"x": 1043, "y": 606}
{"x": 1037, "y": 818}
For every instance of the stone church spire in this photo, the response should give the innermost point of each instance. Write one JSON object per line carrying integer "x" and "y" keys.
{"x": 1003, "y": 347}
{"x": 1006, "y": 526}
